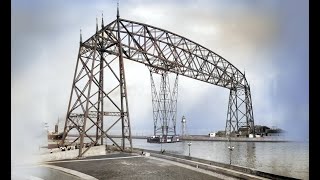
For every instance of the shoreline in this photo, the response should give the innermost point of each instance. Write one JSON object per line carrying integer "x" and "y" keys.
{"x": 237, "y": 139}
{"x": 273, "y": 139}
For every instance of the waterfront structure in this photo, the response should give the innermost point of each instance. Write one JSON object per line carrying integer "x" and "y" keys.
{"x": 91, "y": 101}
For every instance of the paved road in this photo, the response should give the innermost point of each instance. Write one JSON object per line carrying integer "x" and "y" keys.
{"x": 124, "y": 166}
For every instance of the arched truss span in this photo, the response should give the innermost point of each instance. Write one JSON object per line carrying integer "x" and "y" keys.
{"x": 159, "y": 49}
{"x": 168, "y": 51}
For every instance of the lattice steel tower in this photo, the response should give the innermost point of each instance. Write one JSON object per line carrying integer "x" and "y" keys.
{"x": 240, "y": 113}
{"x": 93, "y": 107}
{"x": 164, "y": 104}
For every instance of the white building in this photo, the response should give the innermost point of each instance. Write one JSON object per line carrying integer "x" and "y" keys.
{"x": 212, "y": 134}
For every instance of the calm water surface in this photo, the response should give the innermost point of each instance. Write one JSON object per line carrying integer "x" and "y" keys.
{"x": 282, "y": 158}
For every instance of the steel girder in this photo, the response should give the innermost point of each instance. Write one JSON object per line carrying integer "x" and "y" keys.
{"x": 164, "y": 104}
{"x": 157, "y": 48}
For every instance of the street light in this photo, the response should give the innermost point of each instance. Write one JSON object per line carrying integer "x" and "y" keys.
{"x": 230, "y": 149}
{"x": 189, "y": 144}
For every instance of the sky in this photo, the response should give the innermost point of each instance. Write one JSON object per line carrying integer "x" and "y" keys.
{"x": 268, "y": 39}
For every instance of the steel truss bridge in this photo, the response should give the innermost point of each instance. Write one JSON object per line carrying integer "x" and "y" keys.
{"x": 163, "y": 52}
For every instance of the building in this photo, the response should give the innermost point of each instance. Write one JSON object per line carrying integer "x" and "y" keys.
{"x": 266, "y": 131}
{"x": 275, "y": 132}
{"x": 220, "y": 134}
{"x": 261, "y": 130}
{"x": 212, "y": 134}
{"x": 243, "y": 131}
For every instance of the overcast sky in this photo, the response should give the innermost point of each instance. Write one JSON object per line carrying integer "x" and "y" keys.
{"x": 269, "y": 39}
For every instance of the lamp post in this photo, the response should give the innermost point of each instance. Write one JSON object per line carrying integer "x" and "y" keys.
{"x": 189, "y": 144}
{"x": 230, "y": 149}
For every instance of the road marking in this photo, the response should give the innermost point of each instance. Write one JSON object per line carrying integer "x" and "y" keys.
{"x": 76, "y": 160}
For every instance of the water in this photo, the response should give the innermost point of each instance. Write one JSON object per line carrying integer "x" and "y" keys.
{"x": 282, "y": 158}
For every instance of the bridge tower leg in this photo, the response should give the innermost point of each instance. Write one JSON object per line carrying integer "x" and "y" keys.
{"x": 155, "y": 104}
{"x": 232, "y": 119}
{"x": 240, "y": 113}
{"x": 89, "y": 98}
{"x": 174, "y": 105}
{"x": 249, "y": 110}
